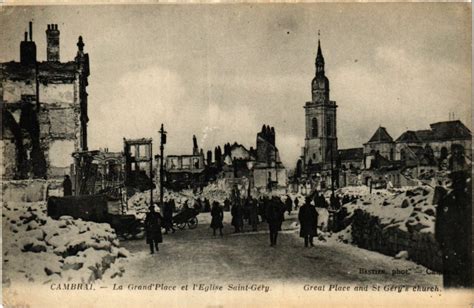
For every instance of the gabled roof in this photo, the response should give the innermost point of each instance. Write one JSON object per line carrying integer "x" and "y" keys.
{"x": 440, "y": 131}
{"x": 409, "y": 137}
{"x": 425, "y": 135}
{"x": 381, "y": 135}
{"x": 450, "y": 130}
{"x": 351, "y": 154}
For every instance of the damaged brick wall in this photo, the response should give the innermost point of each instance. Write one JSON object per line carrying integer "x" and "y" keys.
{"x": 38, "y": 139}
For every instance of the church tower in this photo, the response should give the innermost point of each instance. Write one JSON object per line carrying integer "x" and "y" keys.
{"x": 320, "y": 117}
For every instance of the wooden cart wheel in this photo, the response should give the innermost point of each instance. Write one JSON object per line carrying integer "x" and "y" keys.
{"x": 192, "y": 223}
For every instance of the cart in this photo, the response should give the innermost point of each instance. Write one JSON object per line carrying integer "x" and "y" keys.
{"x": 186, "y": 217}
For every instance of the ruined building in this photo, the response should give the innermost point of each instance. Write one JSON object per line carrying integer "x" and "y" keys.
{"x": 268, "y": 170}
{"x": 320, "y": 118}
{"x": 44, "y": 109}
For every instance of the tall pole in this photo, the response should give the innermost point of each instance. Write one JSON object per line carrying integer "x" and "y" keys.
{"x": 151, "y": 171}
{"x": 162, "y": 142}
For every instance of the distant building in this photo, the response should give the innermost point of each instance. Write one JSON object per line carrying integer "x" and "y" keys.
{"x": 415, "y": 155}
{"x": 44, "y": 114}
{"x": 382, "y": 143}
{"x": 184, "y": 171}
{"x": 268, "y": 170}
{"x": 320, "y": 150}
{"x": 438, "y": 140}
{"x": 262, "y": 165}
{"x": 351, "y": 159}
{"x": 97, "y": 171}
{"x": 138, "y": 155}
{"x": 319, "y": 154}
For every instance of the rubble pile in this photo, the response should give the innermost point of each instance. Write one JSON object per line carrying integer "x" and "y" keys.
{"x": 213, "y": 193}
{"x": 138, "y": 204}
{"x": 390, "y": 222}
{"x": 37, "y": 248}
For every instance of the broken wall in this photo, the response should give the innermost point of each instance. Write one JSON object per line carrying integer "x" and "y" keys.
{"x": 38, "y": 143}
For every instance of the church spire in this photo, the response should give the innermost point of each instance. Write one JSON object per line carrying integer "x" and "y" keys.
{"x": 319, "y": 59}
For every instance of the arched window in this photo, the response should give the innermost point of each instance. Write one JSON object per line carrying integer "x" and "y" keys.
{"x": 314, "y": 127}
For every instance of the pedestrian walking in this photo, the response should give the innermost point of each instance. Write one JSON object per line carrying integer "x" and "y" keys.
{"x": 153, "y": 223}
{"x": 253, "y": 214}
{"x": 226, "y": 205}
{"x": 297, "y": 202}
{"x": 237, "y": 216}
{"x": 274, "y": 216}
{"x": 289, "y": 204}
{"x": 207, "y": 205}
{"x": 308, "y": 218}
{"x": 168, "y": 217}
{"x": 217, "y": 215}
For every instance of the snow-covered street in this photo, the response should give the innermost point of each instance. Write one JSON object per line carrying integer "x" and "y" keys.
{"x": 196, "y": 256}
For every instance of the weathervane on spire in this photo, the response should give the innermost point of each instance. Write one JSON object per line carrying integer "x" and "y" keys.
{"x": 319, "y": 34}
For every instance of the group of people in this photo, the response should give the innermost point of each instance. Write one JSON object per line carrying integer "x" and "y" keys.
{"x": 202, "y": 205}
{"x": 252, "y": 211}
{"x": 243, "y": 210}
{"x": 272, "y": 211}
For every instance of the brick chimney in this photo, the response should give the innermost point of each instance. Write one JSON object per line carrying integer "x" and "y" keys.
{"x": 52, "y": 38}
{"x": 28, "y": 48}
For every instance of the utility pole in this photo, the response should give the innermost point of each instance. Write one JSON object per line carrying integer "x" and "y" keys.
{"x": 162, "y": 143}
{"x": 151, "y": 173}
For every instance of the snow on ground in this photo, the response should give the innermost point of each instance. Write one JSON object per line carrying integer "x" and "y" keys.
{"x": 196, "y": 256}
{"x": 37, "y": 248}
{"x": 408, "y": 209}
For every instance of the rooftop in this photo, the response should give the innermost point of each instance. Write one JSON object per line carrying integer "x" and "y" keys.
{"x": 351, "y": 154}
{"x": 380, "y": 136}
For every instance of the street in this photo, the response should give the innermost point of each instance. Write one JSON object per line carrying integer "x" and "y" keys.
{"x": 196, "y": 256}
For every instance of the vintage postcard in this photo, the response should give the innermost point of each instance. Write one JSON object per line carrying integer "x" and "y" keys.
{"x": 236, "y": 154}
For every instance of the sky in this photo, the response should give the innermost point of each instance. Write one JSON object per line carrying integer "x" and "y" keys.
{"x": 222, "y": 71}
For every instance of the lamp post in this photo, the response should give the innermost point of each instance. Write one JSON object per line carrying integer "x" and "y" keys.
{"x": 151, "y": 172}
{"x": 162, "y": 143}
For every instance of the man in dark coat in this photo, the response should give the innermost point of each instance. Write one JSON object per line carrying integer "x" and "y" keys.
{"x": 226, "y": 204}
{"x": 288, "y": 204}
{"x": 153, "y": 222}
{"x": 253, "y": 214}
{"x": 322, "y": 201}
{"x": 453, "y": 230}
{"x": 168, "y": 217}
{"x": 67, "y": 186}
{"x": 237, "y": 216}
{"x": 207, "y": 205}
{"x": 217, "y": 217}
{"x": 308, "y": 217}
{"x": 297, "y": 202}
{"x": 274, "y": 214}
{"x": 335, "y": 203}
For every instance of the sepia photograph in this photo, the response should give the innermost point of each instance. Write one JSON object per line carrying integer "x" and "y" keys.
{"x": 236, "y": 154}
